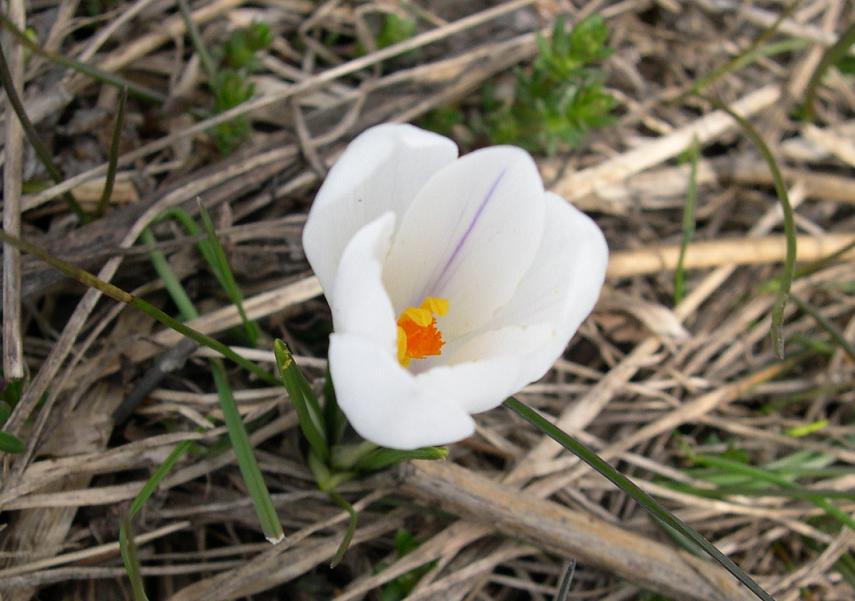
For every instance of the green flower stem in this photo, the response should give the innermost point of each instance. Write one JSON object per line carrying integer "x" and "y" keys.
{"x": 117, "y": 294}
{"x": 650, "y": 504}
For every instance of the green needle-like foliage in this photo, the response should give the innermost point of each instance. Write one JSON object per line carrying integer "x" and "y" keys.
{"x": 561, "y": 97}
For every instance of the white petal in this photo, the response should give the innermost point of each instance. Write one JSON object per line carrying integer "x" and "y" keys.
{"x": 562, "y": 286}
{"x": 380, "y": 171}
{"x": 468, "y": 237}
{"x": 359, "y": 302}
{"x": 487, "y": 368}
{"x": 384, "y": 403}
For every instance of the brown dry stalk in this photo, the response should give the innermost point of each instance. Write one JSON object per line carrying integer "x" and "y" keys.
{"x": 569, "y": 533}
{"x": 712, "y": 253}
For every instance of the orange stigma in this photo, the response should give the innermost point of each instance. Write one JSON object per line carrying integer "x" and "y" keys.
{"x": 418, "y": 336}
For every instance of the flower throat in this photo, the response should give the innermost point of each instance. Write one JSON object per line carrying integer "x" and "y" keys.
{"x": 418, "y": 336}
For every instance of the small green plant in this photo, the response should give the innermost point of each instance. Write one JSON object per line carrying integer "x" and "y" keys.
{"x": 393, "y": 29}
{"x": 229, "y": 84}
{"x": 560, "y": 98}
{"x": 400, "y": 587}
{"x": 239, "y": 51}
{"x": 10, "y": 392}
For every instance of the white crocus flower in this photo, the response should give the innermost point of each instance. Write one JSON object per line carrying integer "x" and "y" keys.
{"x": 453, "y": 282}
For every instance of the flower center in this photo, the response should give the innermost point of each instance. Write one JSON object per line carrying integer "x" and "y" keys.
{"x": 418, "y": 336}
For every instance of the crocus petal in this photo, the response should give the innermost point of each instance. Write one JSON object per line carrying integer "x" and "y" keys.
{"x": 467, "y": 237}
{"x": 487, "y": 368}
{"x": 383, "y": 401}
{"x": 562, "y": 286}
{"x": 380, "y": 171}
{"x": 359, "y": 302}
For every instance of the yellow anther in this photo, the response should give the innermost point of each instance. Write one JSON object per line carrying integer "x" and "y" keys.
{"x": 418, "y": 336}
{"x": 437, "y": 306}
{"x": 403, "y": 359}
{"x": 418, "y": 316}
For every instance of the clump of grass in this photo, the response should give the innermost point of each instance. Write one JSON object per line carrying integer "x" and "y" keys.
{"x": 230, "y": 83}
{"x": 560, "y": 98}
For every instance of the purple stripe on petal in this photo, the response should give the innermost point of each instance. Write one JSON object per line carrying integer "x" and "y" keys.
{"x": 446, "y": 271}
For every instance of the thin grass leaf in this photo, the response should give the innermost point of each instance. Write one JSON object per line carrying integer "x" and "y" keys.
{"x": 777, "y": 331}
{"x": 566, "y": 582}
{"x": 650, "y": 505}
{"x": 334, "y": 418}
{"x": 192, "y": 230}
{"x": 117, "y": 294}
{"x": 760, "y": 474}
{"x": 128, "y": 550}
{"x": 303, "y": 400}
{"x": 157, "y": 477}
{"x": 825, "y": 324}
{"x": 198, "y": 43}
{"x": 113, "y": 159}
{"x": 127, "y": 547}
{"x": 381, "y": 458}
{"x": 831, "y": 56}
{"x": 351, "y": 527}
{"x": 249, "y": 469}
{"x": 94, "y": 72}
{"x": 5, "y": 412}
{"x": 252, "y": 477}
{"x": 33, "y": 137}
{"x": 223, "y": 272}
{"x": 11, "y": 444}
{"x": 688, "y": 227}
{"x": 186, "y": 310}
{"x": 748, "y": 55}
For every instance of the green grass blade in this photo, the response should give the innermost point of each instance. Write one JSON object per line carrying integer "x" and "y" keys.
{"x": 334, "y": 419}
{"x": 79, "y": 67}
{"x": 658, "y": 512}
{"x": 128, "y": 550}
{"x": 11, "y": 444}
{"x": 157, "y": 477}
{"x": 113, "y": 159}
{"x": 247, "y": 464}
{"x": 117, "y": 294}
{"x": 33, "y": 137}
{"x": 381, "y": 458}
{"x": 304, "y": 401}
{"x": 196, "y": 38}
{"x": 786, "y": 280}
{"x": 223, "y": 272}
{"x": 760, "y": 474}
{"x": 249, "y": 469}
{"x": 748, "y": 55}
{"x": 348, "y": 533}
{"x": 186, "y": 310}
{"x": 826, "y": 325}
{"x": 688, "y": 226}
{"x": 831, "y": 56}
